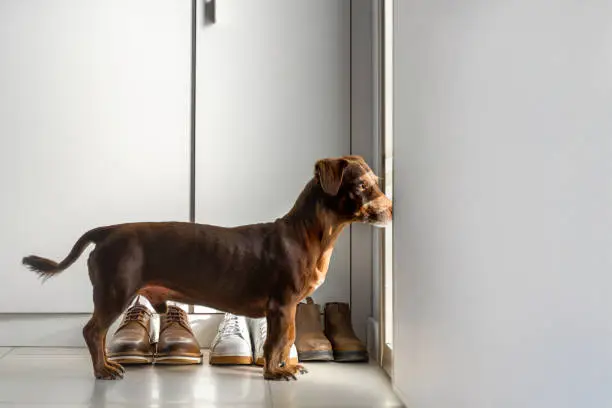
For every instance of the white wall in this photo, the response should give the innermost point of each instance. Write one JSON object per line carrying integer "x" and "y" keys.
{"x": 503, "y": 203}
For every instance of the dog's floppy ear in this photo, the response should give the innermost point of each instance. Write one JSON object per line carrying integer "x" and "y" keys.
{"x": 329, "y": 173}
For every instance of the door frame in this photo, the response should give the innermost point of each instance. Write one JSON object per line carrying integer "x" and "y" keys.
{"x": 383, "y": 64}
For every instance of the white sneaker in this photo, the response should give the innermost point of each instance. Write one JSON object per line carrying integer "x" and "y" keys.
{"x": 232, "y": 344}
{"x": 259, "y": 331}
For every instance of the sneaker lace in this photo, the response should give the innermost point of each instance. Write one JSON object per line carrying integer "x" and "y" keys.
{"x": 232, "y": 326}
{"x": 263, "y": 330}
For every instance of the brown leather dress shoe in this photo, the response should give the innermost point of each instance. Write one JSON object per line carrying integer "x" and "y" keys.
{"x": 339, "y": 331}
{"x": 310, "y": 341}
{"x": 131, "y": 343}
{"x": 177, "y": 343}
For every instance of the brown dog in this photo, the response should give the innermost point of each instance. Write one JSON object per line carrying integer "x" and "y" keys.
{"x": 254, "y": 270}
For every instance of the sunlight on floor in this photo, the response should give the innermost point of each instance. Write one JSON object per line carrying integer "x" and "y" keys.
{"x": 61, "y": 377}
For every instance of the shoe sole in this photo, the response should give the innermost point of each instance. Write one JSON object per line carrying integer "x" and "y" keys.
{"x": 179, "y": 360}
{"x": 351, "y": 356}
{"x": 317, "y": 355}
{"x": 131, "y": 359}
{"x": 230, "y": 360}
{"x": 262, "y": 361}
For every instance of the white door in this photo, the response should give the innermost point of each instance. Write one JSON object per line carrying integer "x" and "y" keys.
{"x": 94, "y": 130}
{"x": 273, "y": 96}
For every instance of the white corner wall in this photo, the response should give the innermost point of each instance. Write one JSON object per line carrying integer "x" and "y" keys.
{"x": 503, "y": 203}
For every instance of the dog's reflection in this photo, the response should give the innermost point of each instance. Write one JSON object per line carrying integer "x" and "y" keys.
{"x": 185, "y": 385}
{"x": 142, "y": 388}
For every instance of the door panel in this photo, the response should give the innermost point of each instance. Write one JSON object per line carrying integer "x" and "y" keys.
{"x": 94, "y": 130}
{"x": 273, "y": 96}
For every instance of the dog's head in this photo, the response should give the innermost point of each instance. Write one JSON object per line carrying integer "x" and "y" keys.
{"x": 352, "y": 192}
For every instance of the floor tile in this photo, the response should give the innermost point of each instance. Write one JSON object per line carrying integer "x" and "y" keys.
{"x": 336, "y": 385}
{"x": 50, "y": 377}
{"x": 95, "y": 404}
{"x": 64, "y": 377}
{"x": 49, "y": 351}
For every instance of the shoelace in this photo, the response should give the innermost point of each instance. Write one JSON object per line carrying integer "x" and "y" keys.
{"x": 263, "y": 330}
{"x": 135, "y": 314}
{"x": 176, "y": 315}
{"x": 232, "y": 326}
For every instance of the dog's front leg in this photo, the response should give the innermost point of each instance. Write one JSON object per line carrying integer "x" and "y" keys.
{"x": 287, "y": 349}
{"x": 281, "y": 334}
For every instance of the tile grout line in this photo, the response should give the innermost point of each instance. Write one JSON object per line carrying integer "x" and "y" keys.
{"x": 9, "y": 351}
{"x": 269, "y": 388}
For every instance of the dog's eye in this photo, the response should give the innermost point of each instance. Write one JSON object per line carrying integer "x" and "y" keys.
{"x": 362, "y": 186}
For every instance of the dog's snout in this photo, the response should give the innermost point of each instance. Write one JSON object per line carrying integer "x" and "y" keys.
{"x": 386, "y": 204}
{"x": 378, "y": 211}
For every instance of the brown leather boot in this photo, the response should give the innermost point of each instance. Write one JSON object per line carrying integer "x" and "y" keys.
{"x": 177, "y": 344}
{"x": 131, "y": 342}
{"x": 339, "y": 331}
{"x": 310, "y": 341}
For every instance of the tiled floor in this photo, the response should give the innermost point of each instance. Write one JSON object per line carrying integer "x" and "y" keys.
{"x": 53, "y": 377}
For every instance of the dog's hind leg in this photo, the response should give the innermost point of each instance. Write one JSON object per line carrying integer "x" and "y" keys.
{"x": 108, "y": 306}
{"x": 111, "y": 296}
{"x": 94, "y": 333}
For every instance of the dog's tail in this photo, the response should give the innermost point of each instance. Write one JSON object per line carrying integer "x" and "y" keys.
{"x": 46, "y": 268}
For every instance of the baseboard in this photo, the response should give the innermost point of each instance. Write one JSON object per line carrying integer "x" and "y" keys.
{"x": 400, "y": 395}
{"x": 373, "y": 343}
{"x": 65, "y": 330}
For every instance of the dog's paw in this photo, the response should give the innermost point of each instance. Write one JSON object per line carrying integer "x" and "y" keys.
{"x": 301, "y": 369}
{"x": 287, "y": 372}
{"x": 108, "y": 372}
{"x": 280, "y": 374}
{"x": 295, "y": 368}
{"x": 116, "y": 365}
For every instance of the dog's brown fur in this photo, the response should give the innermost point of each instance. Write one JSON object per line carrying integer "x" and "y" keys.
{"x": 254, "y": 270}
